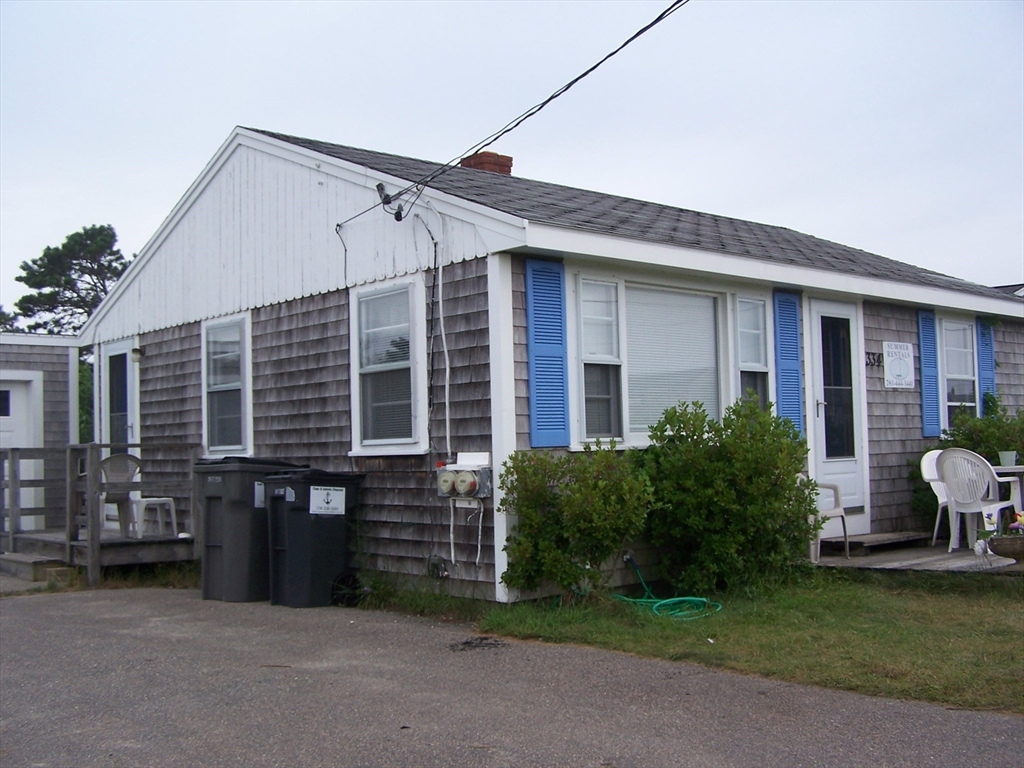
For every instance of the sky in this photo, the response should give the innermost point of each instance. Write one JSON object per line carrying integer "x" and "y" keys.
{"x": 894, "y": 127}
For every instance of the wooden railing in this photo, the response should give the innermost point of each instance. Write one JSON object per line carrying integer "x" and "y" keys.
{"x": 166, "y": 471}
{"x": 45, "y": 471}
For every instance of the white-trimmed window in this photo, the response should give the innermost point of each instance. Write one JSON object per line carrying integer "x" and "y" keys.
{"x": 752, "y": 348}
{"x": 602, "y": 366}
{"x": 958, "y": 369}
{"x": 389, "y": 364}
{"x": 642, "y": 348}
{"x": 227, "y": 394}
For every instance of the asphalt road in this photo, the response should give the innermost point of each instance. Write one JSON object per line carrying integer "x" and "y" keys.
{"x": 162, "y": 678}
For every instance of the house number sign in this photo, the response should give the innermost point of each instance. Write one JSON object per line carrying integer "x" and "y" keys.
{"x": 898, "y": 364}
{"x": 326, "y": 501}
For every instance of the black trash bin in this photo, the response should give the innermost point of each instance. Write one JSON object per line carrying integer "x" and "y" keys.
{"x": 308, "y": 524}
{"x": 235, "y": 549}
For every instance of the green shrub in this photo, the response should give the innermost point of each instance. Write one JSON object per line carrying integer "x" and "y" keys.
{"x": 986, "y": 435}
{"x": 729, "y": 512}
{"x": 573, "y": 511}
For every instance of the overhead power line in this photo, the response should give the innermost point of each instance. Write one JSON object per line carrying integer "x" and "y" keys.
{"x": 512, "y": 124}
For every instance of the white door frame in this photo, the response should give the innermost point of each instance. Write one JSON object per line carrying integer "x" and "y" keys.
{"x": 102, "y": 403}
{"x": 24, "y": 429}
{"x": 850, "y": 474}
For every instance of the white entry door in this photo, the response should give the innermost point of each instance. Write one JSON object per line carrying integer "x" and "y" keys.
{"x": 21, "y": 426}
{"x": 839, "y": 445}
{"x": 118, "y": 394}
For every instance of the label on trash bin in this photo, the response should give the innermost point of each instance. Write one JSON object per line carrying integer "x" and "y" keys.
{"x": 326, "y": 501}
{"x": 259, "y": 493}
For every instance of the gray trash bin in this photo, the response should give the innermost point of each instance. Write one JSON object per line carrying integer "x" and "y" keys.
{"x": 236, "y": 556}
{"x": 309, "y": 518}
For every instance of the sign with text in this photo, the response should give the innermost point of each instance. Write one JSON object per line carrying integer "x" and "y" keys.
{"x": 899, "y": 364}
{"x": 326, "y": 501}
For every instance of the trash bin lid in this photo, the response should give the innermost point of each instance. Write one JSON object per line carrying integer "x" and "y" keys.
{"x": 316, "y": 477}
{"x": 250, "y": 461}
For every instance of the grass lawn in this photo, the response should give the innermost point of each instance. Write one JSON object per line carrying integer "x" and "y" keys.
{"x": 954, "y": 639}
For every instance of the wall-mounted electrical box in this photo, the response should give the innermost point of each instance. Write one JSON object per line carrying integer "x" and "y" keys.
{"x": 468, "y": 478}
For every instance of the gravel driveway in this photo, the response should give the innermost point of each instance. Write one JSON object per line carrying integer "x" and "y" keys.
{"x": 163, "y": 678}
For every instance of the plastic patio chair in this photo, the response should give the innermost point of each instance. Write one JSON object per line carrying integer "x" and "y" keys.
{"x": 930, "y": 474}
{"x": 973, "y": 488}
{"x": 123, "y": 468}
{"x": 835, "y": 511}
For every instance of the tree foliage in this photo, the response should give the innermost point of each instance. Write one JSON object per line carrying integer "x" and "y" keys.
{"x": 7, "y": 321}
{"x": 70, "y": 281}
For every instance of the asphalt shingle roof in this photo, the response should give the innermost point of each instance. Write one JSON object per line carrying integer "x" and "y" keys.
{"x": 560, "y": 206}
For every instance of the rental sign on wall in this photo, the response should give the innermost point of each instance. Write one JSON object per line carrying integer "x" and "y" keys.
{"x": 898, "y": 362}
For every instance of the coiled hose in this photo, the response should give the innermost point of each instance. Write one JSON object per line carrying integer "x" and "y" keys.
{"x": 682, "y": 608}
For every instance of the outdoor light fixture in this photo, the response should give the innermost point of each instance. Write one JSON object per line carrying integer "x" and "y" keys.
{"x": 137, "y": 354}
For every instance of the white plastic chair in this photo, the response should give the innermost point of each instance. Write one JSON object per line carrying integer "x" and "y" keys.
{"x": 973, "y": 489}
{"x": 835, "y": 511}
{"x": 122, "y": 468}
{"x": 930, "y": 474}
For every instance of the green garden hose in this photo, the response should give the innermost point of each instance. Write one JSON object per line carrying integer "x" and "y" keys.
{"x": 683, "y": 608}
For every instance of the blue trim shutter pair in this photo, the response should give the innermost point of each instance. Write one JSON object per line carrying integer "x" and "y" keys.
{"x": 931, "y": 417}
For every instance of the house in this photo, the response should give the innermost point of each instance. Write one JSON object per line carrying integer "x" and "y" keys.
{"x": 38, "y": 411}
{"x": 294, "y": 306}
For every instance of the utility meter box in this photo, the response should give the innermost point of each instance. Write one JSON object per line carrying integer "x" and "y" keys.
{"x": 468, "y": 478}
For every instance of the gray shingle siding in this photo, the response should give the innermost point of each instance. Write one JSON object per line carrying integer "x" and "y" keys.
{"x": 1008, "y": 338}
{"x": 894, "y": 422}
{"x": 170, "y": 405}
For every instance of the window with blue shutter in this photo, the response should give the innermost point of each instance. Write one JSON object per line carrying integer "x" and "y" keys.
{"x": 789, "y": 373}
{"x": 931, "y": 424}
{"x": 546, "y": 345}
{"x": 986, "y": 360}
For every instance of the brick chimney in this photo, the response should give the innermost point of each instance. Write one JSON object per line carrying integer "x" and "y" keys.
{"x": 489, "y": 161}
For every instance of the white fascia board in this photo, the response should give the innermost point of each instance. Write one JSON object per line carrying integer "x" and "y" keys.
{"x": 544, "y": 237}
{"x": 508, "y": 231}
{"x": 39, "y": 340}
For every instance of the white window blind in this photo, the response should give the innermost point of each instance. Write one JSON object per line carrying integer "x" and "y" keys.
{"x": 672, "y": 351}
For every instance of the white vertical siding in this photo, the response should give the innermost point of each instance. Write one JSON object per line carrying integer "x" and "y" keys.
{"x": 261, "y": 230}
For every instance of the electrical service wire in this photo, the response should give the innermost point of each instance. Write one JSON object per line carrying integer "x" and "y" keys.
{"x": 514, "y": 123}
{"x": 683, "y": 608}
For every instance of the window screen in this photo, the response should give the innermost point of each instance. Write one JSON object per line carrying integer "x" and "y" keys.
{"x": 672, "y": 351}
{"x": 599, "y": 303}
{"x": 958, "y": 348}
{"x": 224, "y": 385}
{"x": 385, "y": 376}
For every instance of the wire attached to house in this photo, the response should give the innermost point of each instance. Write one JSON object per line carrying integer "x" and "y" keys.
{"x": 509, "y": 126}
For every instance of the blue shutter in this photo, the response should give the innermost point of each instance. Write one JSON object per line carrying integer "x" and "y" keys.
{"x": 789, "y": 368}
{"x": 931, "y": 421}
{"x": 986, "y": 360}
{"x": 548, "y": 365}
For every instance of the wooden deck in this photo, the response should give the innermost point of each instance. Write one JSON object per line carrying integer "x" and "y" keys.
{"x": 114, "y": 549}
{"x": 910, "y": 551}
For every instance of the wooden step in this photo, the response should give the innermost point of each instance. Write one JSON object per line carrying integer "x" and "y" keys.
{"x": 864, "y": 544}
{"x": 33, "y": 567}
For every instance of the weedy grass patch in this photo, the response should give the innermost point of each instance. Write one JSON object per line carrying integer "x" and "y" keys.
{"x": 955, "y": 639}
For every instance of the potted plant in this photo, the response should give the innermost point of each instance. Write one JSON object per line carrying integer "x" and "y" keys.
{"x": 1009, "y": 544}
